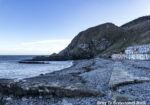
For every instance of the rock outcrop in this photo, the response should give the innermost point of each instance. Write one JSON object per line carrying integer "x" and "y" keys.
{"x": 50, "y": 88}
{"x": 33, "y": 62}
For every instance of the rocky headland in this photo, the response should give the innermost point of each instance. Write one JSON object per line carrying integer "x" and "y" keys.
{"x": 104, "y": 40}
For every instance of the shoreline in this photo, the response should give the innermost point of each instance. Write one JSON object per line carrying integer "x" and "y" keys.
{"x": 93, "y": 75}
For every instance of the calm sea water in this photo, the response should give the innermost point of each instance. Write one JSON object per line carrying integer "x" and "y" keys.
{"x": 11, "y": 69}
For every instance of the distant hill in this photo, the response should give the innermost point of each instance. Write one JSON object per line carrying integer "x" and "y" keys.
{"x": 106, "y": 39}
{"x": 139, "y": 30}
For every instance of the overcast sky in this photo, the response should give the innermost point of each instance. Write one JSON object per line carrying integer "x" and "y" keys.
{"x": 29, "y": 27}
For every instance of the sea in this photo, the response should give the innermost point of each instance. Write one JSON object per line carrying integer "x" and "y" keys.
{"x": 11, "y": 69}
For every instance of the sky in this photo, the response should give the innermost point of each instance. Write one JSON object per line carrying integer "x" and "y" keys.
{"x": 42, "y": 27}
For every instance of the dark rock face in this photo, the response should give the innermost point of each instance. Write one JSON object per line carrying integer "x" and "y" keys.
{"x": 93, "y": 41}
{"x": 105, "y": 40}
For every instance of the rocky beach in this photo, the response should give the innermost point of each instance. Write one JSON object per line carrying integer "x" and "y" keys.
{"x": 74, "y": 52}
{"x": 87, "y": 82}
